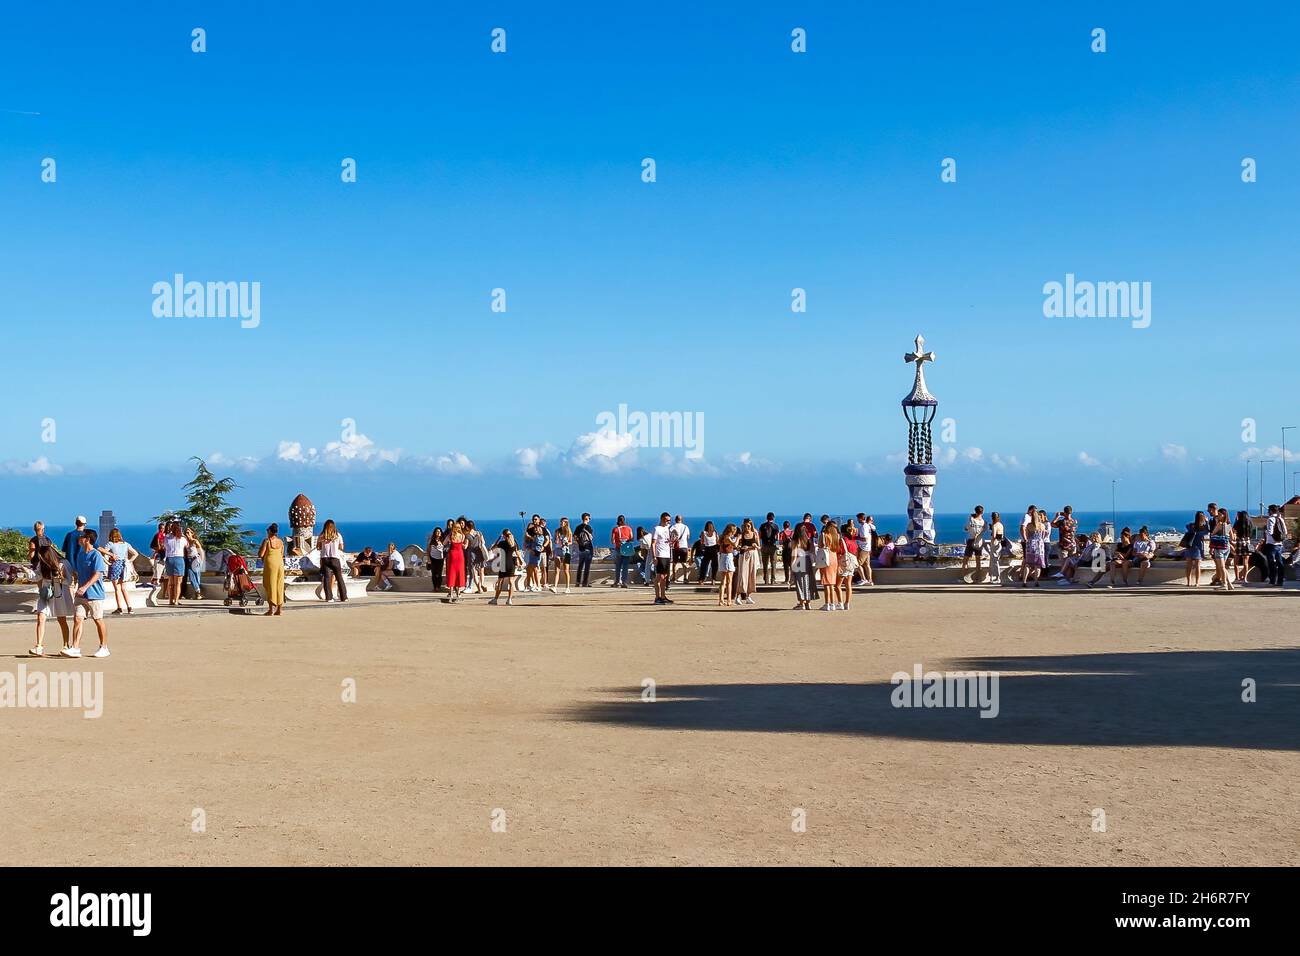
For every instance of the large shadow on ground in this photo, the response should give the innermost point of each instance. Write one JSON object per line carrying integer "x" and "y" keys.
{"x": 1178, "y": 699}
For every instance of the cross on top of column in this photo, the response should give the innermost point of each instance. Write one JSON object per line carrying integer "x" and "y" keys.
{"x": 920, "y": 394}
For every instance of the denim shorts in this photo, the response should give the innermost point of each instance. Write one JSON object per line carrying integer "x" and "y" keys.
{"x": 175, "y": 567}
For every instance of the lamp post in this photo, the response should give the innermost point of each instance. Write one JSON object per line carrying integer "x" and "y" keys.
{"x": 1285, "y": 429}
{"x": 1262, "y": 463}
{"x": 1113, "y": 523}
{"x": 1248, "y": 462}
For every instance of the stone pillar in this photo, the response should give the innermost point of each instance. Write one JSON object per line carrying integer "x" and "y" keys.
{"x": 106, "y": 524}
{"x": 920, "y": 505}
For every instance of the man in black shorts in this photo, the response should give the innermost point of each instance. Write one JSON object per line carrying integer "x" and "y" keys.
{"x": 662, "y": 543}
{"x": 768, "y": 532}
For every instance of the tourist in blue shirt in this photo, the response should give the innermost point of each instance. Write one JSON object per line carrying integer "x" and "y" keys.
{"x": 88, "y": 599}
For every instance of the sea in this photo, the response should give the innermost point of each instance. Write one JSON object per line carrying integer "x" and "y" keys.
{"x": 949, "y": 528}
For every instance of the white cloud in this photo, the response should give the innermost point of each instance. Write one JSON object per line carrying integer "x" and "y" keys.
{"x": 1175, "y": 453}
{"x": 1272, "y": 451}
{"x": 1088, "y": 461}
{"x": 40, "y": 466}
{"x": 353, "y": 450}
{"x": 606, "y": 451}
{"x": 454, "y": 463}
{"x": 240, "y": 463}
{"x": 527, "y": 459}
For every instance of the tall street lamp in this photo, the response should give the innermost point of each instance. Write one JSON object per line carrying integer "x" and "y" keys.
{"x": 1262, "y": 463}
{"x": 1285, "y": 429}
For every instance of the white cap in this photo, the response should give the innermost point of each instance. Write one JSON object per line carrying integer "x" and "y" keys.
{"x": 81, "y": 519}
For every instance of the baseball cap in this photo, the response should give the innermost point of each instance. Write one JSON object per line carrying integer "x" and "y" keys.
{"x": 81, "y": 519}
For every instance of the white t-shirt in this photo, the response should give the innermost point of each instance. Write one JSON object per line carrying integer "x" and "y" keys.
{"x": 1026, "y": 525}
{"x": 974, "y": 528}
{"x": 661, "y": 539}
{"x": 395, "y": 562}
{"x": 683, "y": 532}
{"x": 174, "y": 547}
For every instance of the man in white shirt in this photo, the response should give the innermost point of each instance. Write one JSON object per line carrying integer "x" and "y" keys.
{"x": 1271, "y": 545}
{"x": 682, "y": 549}
{"x": 662, "y": 542}
{"x": 1026, "y": 524}
{"x": 866, "y": 544}
{"x": 393, "y": 565}
{"x": 974, "y": 538}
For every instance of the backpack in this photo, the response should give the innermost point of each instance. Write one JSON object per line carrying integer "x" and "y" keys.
{"x": 583, "y": 537}
{"x": 627, "y": 548}
{"x": 1279, "y": 530}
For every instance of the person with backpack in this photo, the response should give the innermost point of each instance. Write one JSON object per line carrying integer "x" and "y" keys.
{"x": 53, "y": 596}
{"x": 584, "y": 537}
{"x": 624, "y": 549}
{"x": 1193, "y": 544}
{"x": 1271, "y": 546}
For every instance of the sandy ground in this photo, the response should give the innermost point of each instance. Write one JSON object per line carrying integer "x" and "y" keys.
{"x": 1121, "y": 701}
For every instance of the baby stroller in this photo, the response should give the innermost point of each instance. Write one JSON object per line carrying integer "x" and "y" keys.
{"x": 238, "y": 584}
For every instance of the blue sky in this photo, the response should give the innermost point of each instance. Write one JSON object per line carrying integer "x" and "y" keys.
{"x": 522, "y": 171}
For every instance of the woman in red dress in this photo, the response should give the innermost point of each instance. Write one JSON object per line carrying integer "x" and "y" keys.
{"x": 456, "y": 561}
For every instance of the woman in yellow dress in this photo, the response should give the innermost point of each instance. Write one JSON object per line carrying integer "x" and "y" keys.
{"x": 271, "y": 554}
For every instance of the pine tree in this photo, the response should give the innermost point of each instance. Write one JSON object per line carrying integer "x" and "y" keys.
{"x": 215, "y": 520}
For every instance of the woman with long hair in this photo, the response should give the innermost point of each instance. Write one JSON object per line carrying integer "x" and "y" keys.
{"x": 118, "y": 553}
{"x": 434, "y": 549}
{"x": 727, "y": 544}
{"x": 271, "y": 554}
{"x": 331, "y": 565}
{"x": 194, "y": 560}
{"x": 801, "y": 561}
{"x": 456, "y": 562}
{"x": 53, "y": 596}
{"x": 174, "y": 555}
{"x": 1221, "y": 548}
{"x": 1035, "y": 560}
{"x": 708, "y": 548}
{"x": 1122, "y": 560}
{"x": 475, "y": 556}
{"x": 848, "y": 562}
{"x": 506, "y": 569}
{"x": 1197, "y": 531}
{"x": 562, "y": 554}
{"x": 1243, "y": 543}
{"x": 830, "y": 555}
{"x": 746, "y": 577}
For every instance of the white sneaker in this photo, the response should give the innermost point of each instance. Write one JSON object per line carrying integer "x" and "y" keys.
{"x": 37, "y": 652}
{"x": 566, "y": 591}
{"x": 70, "y": 652}
{"x": 102, "y": 652}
